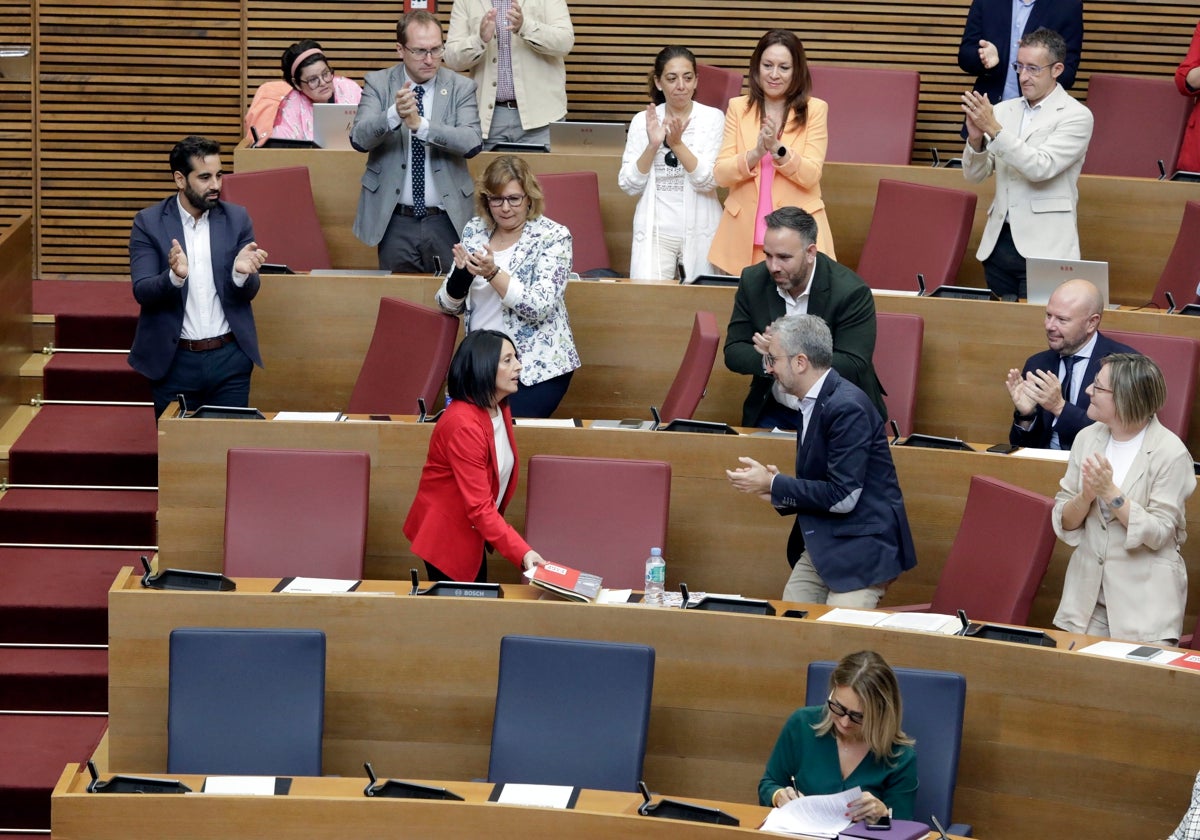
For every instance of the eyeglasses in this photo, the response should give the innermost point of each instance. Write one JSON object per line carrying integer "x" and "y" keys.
{"x": 436, "y": 52}
{"x": 770, "y": 361}
{"x": 501, "y": 200}
{"x": 316, "y": 81}
{"x": 841, "y": 711}
{"x": 1032, "y": 69}
{"x": 1096, "y": 387}
{"x": 670, "y": 160}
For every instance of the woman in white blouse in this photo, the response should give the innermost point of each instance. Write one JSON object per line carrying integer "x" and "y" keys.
{"x": 669, "y": 155}
{"x": 1121, "y": 505}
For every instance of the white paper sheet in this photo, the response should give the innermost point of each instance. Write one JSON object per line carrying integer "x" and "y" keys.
{"x": 314, "y": 416}
{"x": 863, "y": 618}
{"x": 539, "y": 796}
{"x": 814, "y": 816}
{"x": 1118, "y": 650}
{"x": 240, "y": 785}
{"x": 318, "y": 585}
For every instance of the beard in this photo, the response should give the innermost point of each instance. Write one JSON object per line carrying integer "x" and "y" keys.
{"x": 199, "y": 200}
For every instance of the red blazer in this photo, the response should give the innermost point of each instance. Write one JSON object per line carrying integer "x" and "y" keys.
{"x": 1189, "y": 153}
{"x": 455, "y": 510}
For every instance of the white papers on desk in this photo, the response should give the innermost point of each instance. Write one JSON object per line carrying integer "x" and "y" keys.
{"x": 544, "y": 422}
{"x": 814, "y": 816}
{"x": 613, "y": 596}
{"x": 240, "y": 785}
{"x": 538, "y": 796}
{"x": 1063, "y": 455}
{"x": 311, "y": 585}
{"x": 311, "y": 416}
{"x": 927, "y": 622}
{"x": 1118, "y": 650}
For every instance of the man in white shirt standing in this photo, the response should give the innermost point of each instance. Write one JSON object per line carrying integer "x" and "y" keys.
{"x": 194, "y": 265}
{"x": 515, "y": 51}
{"x": 1035, "y": 145}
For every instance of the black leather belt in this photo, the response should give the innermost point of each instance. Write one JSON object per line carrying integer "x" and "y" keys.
{"x": 199, "y": 345}
{"x": 406, "y": 210}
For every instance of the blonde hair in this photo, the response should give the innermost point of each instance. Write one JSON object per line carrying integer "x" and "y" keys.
{"x": 1138, "y": 387}
{"x": 872, "y": 679}
{"x": 499, "y": 172}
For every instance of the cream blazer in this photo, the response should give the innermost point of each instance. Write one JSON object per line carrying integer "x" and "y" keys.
{"x": 1140, "y": 568}
{"x": 538, "y": 49}
{"x": 1037, "y": 176}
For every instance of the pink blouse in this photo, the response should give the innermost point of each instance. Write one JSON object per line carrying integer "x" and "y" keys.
{"x": 294, "y": 119}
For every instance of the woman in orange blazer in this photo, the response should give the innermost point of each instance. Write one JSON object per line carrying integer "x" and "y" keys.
{"x": 776, "y": 135}
{"x": 470, "y": 473}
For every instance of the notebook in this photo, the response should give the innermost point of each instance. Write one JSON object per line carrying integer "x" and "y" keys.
{"x": 331, "y": 124}
{"x": 587, "y": 137}
{"x": 1043, "y": 276}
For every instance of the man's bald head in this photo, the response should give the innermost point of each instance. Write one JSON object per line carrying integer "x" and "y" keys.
{"x": 1073, "y": 315}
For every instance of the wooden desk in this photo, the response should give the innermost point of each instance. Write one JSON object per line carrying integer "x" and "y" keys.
{"x": 314, "y": 333}
{"x": 716, "y": 536}
{"x": 335, "y": 808}
{"x": 1107, "y": 225}
{"x": 1052, "y": 739}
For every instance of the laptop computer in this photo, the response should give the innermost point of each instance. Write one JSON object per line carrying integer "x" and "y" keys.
{"x": 1043, "y": 276}
{"x": 331, "y": 124}
{"x": 587, "y": 137}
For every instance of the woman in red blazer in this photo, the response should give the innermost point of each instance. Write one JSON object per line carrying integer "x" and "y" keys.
{"x": 1187, "y": 79}
{"x": 470, "y": 472}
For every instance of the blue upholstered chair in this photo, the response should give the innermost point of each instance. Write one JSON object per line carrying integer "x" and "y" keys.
{"x": 246, "y": 701}
{"x": 571, "y": 712}
{"x": 933, "y": 714}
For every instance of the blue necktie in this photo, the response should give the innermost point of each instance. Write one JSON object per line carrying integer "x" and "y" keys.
{"x": 418, "y": 161}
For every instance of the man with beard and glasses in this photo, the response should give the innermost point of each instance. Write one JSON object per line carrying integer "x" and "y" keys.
{"x": 1050, "y": 394}
{"x": 794, "y": 279}
{"x": 194, "y": 265}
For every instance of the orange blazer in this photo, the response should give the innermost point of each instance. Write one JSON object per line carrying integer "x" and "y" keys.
{"x": 455, "y": 510}
{"x": 797, "y": 181}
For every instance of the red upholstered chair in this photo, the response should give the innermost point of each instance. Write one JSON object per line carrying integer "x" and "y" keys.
{"x": 600, "y": 515}
{"x": 1178, "y": 357}
{"x": 1138, "y": 122}
{"x": 872, "y": 112}
{"x": 280, "y": 202}
{"x": 692, "y": 378}
{"x": 916, "y": 229}
{"x": 994, "y": 569}
{"x": 897, "y": 361}
{"x": 1182, "y": 271}
{"x": 715, "y": 86}
{"x": 292, "y": 512}
{"x": 408, "y": 358}
{"x": 573, "y": 200}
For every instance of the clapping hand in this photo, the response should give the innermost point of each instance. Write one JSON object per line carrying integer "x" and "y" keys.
{"x": 406, "y": 107}
{"x": 177, "y": 260}
{"x": 515, "y": 16}
{"x": 989, "y": 56}
{"x": 656, "y": 131}
{"x": 250, "y": 259}
{"x": 1022, "y": 400}
{"x": 674, "y": 130}
{"x": 487, "y": 26}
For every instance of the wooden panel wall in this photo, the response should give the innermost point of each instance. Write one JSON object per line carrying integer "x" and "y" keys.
{"x": 16, "y": 119}
{"x": 118, "y": 83}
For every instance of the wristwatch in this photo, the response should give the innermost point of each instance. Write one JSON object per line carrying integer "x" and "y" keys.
{"x": 1116, "y": 502}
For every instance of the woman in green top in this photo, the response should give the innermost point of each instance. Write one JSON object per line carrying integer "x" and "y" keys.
{"x": 853, "y": 740}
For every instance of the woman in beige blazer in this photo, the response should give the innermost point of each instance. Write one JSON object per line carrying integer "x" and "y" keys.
{"x": 1121, "y": 504}
{"x": 778, "y": 134}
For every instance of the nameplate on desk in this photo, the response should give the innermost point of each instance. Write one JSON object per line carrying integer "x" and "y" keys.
{"x": 455, "y": 589}
{"x": 247, "y": 785}
{"x": 537, "y": 796}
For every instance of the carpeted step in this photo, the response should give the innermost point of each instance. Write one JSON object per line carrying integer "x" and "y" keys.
{"x": 88, "y": 314}
{"x": 36, "y": 749}
{"x": 87, "y": 444}
{"x": 93, "y": 376}
{"x": 58, "y": 595}
{"x": 79, "y": 517}
{"x": 54, "y": 679}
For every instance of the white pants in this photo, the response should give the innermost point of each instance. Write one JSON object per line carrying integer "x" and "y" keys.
{"x": 805, "y": 586}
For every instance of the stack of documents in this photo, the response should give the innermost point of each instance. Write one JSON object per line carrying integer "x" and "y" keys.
{"x": 928, "y": 622}
{"x": 813, "y": 816}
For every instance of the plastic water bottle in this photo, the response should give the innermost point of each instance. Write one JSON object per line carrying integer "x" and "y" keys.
{"x": 656, "y": 578}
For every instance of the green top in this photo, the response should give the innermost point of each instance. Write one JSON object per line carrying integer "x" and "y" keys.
{"x": 813, "y": 760}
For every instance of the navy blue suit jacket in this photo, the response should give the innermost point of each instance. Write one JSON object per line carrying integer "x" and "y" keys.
{"x": 845, "y": 494}
{"x": 161, "y": 319}
{"x": 991, "y": 20}
{"x": 1074, "y": 415}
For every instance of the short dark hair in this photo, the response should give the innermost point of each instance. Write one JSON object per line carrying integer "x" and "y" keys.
{"x": 190, "y": 147}
{"x": 1138, "y": 387}
{"x": 660, "y": 65}
{"x": 472, "y": 376}
{"x": 419, "y": 18}
{"x": 796, "y": 219}
{"x": 1048, "y": 38}
{"x": 292, "y": 53}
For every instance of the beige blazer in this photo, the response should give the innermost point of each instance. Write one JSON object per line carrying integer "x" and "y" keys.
{"x": 1140, "y": 568}
{"x": 538, "y": 49}
{"x": 1037, "y": 175}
